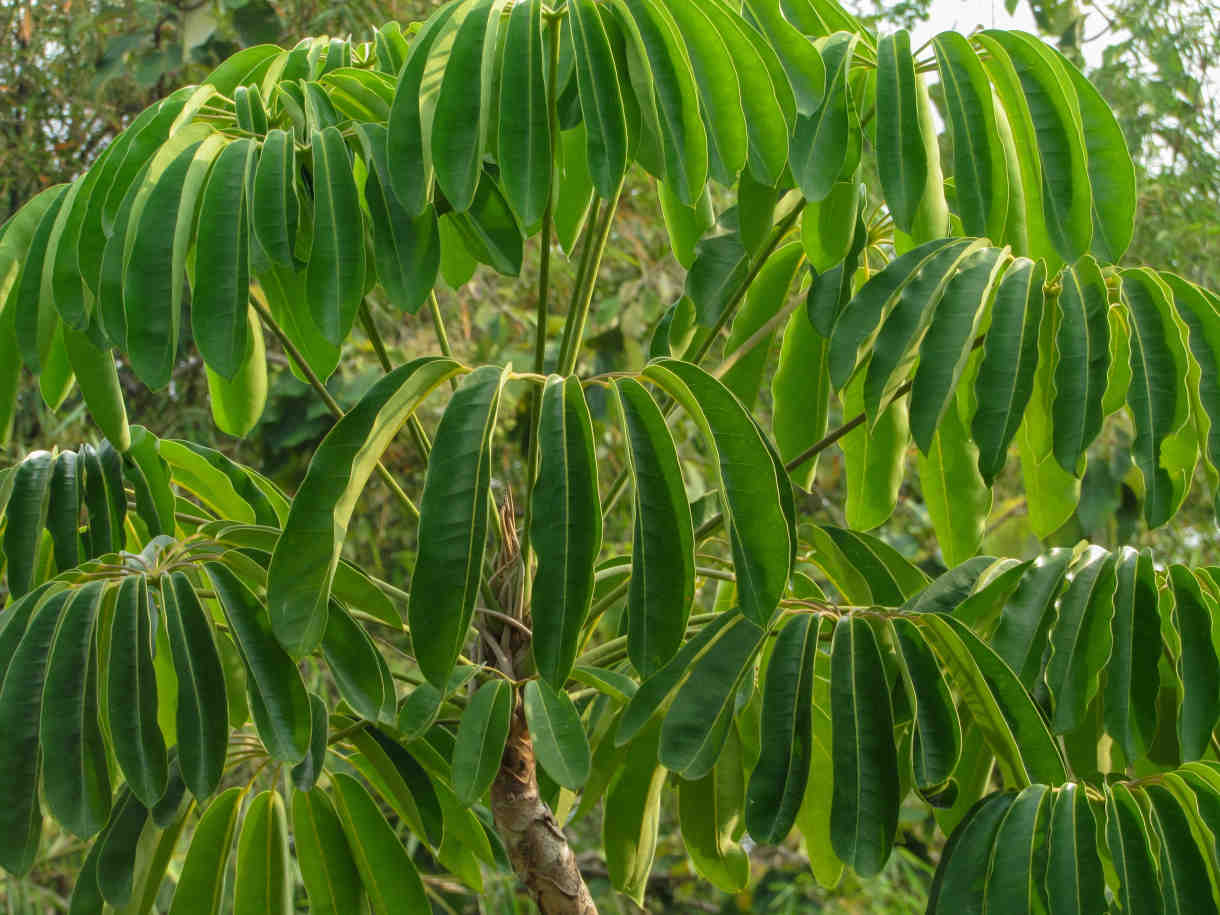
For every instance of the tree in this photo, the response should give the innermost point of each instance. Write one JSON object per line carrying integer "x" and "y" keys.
{"x": 1057, "y": 713}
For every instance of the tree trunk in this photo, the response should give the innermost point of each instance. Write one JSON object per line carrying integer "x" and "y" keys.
{"x": 536, "y": 844}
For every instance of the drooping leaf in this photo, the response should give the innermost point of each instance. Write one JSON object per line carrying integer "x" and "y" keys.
{"x": 274, "y": 208}
{"x": 1081, "y": 639}
{"x": 524, "y": 139}
{"x": 200, "y": 887}
{"x": 709, "y": 811}
{"x": 874, "y": 458}
{"x": 961, "y": 877}
{"x": 600, "y": 100}
{"x": 955, "y": 494}
{"x": 264, "y": 867}
{"x": 1185, "y": 884}
{"x": 1018, "y": 855}
{"x": 901, "y": 159}
{"x": 1025, "y": 619}
{"x": 936, "y": 745}
{"x": 826, "y": 142}
{"x": 238, "y": 402}
{"x": 480, "y": 739}
{"x": 360, "y": 672}
{"x": 1074, "y": 879}
{"x": 305, "y": 773}
{"x": 633, "y": 812}
{"x": 565, "y": 527}
{"x": 1131, "y": 852}
{"x": 307, "y": 554}
{"x": 806, "y": 72}
{"x": 26, "y": 515}
{"x": 328, "y": 869}
{"x": 559, "y": 737}
{"x": 1130, "y": 708}
{"x": 335, "y": 278}
{"x": 1082, "y": 346}
{"x": 800, "y": 396}
{"x": 453, "y": 524}
{"x": 1198, "y": 667}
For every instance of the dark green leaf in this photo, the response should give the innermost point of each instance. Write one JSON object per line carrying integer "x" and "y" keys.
{"x": 264, "y": 868}
{"x": 200, "y": 888}
{"x": 1198, "y": 667}
{"x": 901, "y": 159}
{"x": 335, "y": 278}
{"x": 481, "y": 736}
{"x": 327, "y": 866}
{"x": 559, "y": 738}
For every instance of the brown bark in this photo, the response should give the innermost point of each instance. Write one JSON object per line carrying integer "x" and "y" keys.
{"x": 536, "y": 844}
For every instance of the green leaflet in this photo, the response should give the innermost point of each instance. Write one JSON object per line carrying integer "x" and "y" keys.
{"x": 1005, "y": 377}
{"x": 949, "y": 341}
{"x": 1185, "y": 884}
{"x": 803, "y": 65}
{"x": 765, "y": 299}
{"x": 1056, "y": 121}
{"x": 632, "y": 817}
{"x": 1025, "y": 619}
{"x": 766, "y": 98}
{"x": 753, "y": 493}
{"x": 864, "y": 809}
{"x": 116, "y": 861}
{"x": 887, "y": 577}
{"x": 1130, "y": 711}
{"x": 954, "y": 493}
{"x": 828, "y": 225}
{"x": 453, "y": 524}
{"x": 459, "y": 121}
{"x": 874, "y": 458}
{"x": 1074, "y": 880}
{"x": 33, "y": 314}
{"x": 1081, "y": 639}
{"x": 242, "y": 68}
{"x": 715, "y": 278}
{"x": 565, "y": 527}
{"x": 278, "y": 698}
{"x": 16, "y": 619}
{"x": 405, "y": 144}
{"x": 524, "y": 137}
{"x": 26, "y": 514}
{"x": 75, "y": 778}
{"x": 201, "y": 884}
{"x": 359, "y": 670}
{"x": 936, "y": 745}
{"x": 826, "y": 142}
{"x": 481, "y": 736}
{"x": 813, "y": 819}
{"x": 1197, "y": 667}
{"x": 1201, "y": 312}
{"x": 856, "y": 326}
{"x": 1082, "y": 348}
{"x": 901, "y": 158}
{"x": 961, "y": 877}
{"x": 1111, "y": 171}
{"x": 109, "y": 310}
{"x": 305, "y": 773}
{"x": 1131, "y": 852}
{"x": 264, "y": 867}
{"x": 488, "y": 231}
{"x": 20, "y": 700}
{"x": 800, "y": 396}
{"x": 559, "y": 737}
{"x": 1158, "y": 398}
{"x": 955, "y": 269}
{"x": 237, "y": 402}
{"x": 98, "y": 381}
{"x": 656, "y": 690}
{"x": 719, "y": 89}
{"x": 327, "y": 866}
{"x": 997, "y": 702}
{"x": 274, "y": 209}
{"x": 697, "y": 723}
{"x": 709, "y": 814}
{"x": 221, "y": 289}
{"x": 684, "y": 224}
{"x": 70, "y": 291}
{"x": 307, "y": 554}
{"x": 139, "y": 746}
{"x": 671, "y": 102}
{"x": 1018, "y": 854}
{"x": 402, "y": 782}
{"x": 600, "y": 100}
{"x": 980, "y": 170}
{"x": 777, "y": 784}
{"x": 287, "y": 297}
{"x": 573, "y": 191}
{"x": 336, "y": 272}
{"x": 390, "y": 879}
{"x": 104, "y": 498}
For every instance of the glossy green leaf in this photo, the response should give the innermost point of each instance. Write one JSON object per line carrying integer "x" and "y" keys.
{"x": 274, "y": 208}
{"x": 238, "y": 402}
{"x": 264, "y": 867}
{"x": 360, "y": 672}
{"x": 1082, "y": 348}
{"x": 961, "y": 878}
{"x": 980, "y": 170}
{"x": 1131, "y": 852}
{"x": 390, "y": 878}
{"x": 565, "y": 527}
{"x": 874, "y": 458}
{"x": 1130, "y": 709}
{"x": 949, "y": 341}
{"x": 600, "y": 100}
{"x": 1018, "y": 855}
{"x": 828, "y": 225}
{"x": 1158, "y": 398}
{"x": 20, "y": 703}
{"x": 957, "y": 498}
{"x": 901, "y": 159}
{"x": 800, "y": 396}
{"x": 1074, "y": 879}
{"x": 117, "y": 859}
{"x": 98, "y": 381}
{"x": 305, "y": 773}
{"x": 278, "y": 697}
{"x": 936, "y": 745}
{"x": 481, "y": 736}
{"x": 1010, "y": 354}
{"x": 75, "y": 776}
{"x": 200, "y": 889}
{"x": 453, "y": 524}
{"x": 1025, "y": 619}
{"x": 303, "y": 567}
{"x": 560, "y": 744}
{"x": 524, "y": 138}
{"x": 328, "y": 869}
{"x": 753, "y": 494}
{"x": 26, "y": 515}
{"x": 716, "y": 276}
{"x": 825, "y": 143}
{"x": 864, "y": 811}
{"x": 684, "y": 224}
{"x": 201, "y": 713}
{"x": 709, "y": 813}
{"x": 1185, "y": 884}
{"x": 104, "y": 498}
{"x": 777, "y": 783}
{"x": 1198, "y": 667}
{"x": 335, "y": 278}
{"x": 1200, "y": 310}
{"x": 34, "y": 314}
{"x": 139, "y": 746}
{"x": 806, "y": 72}
{"x": 632, "y": 817}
